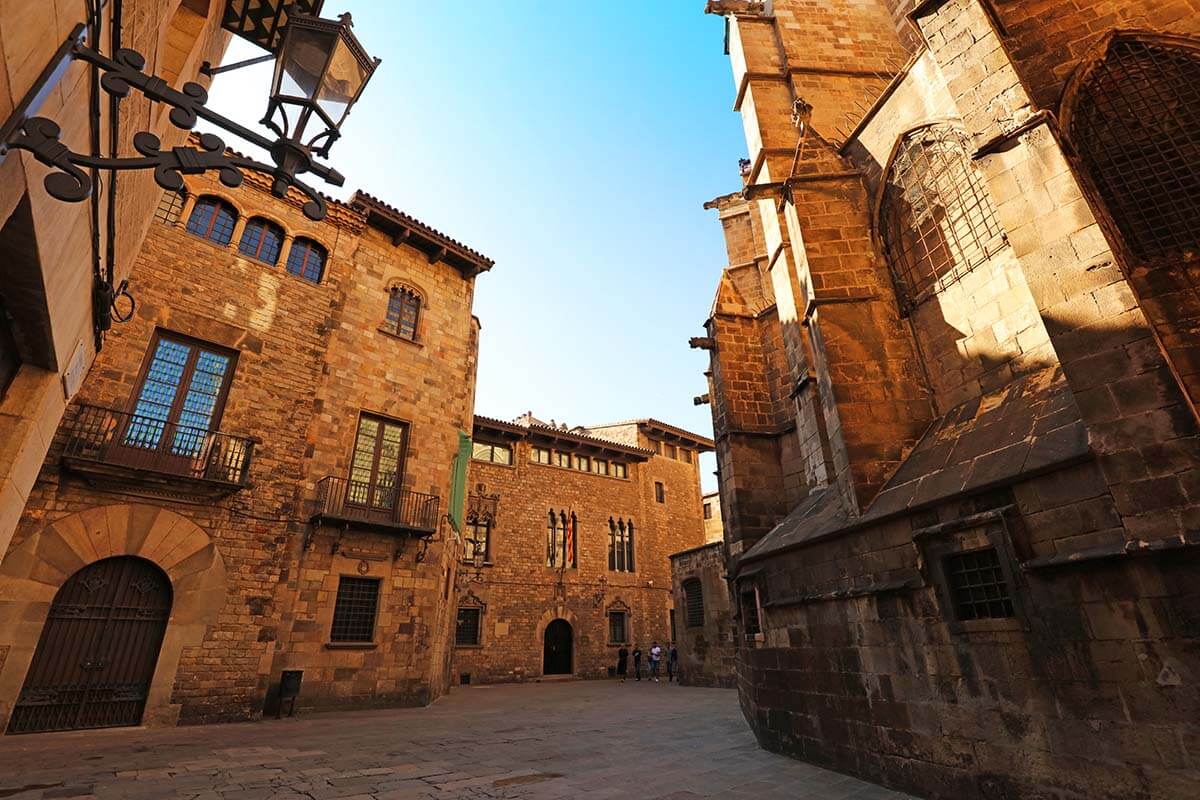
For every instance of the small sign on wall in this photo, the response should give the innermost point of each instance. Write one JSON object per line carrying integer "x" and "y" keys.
{"x": 72, "y": 376}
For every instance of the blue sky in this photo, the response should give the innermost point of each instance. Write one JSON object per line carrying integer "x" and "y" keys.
{"x": 573, "y": 144}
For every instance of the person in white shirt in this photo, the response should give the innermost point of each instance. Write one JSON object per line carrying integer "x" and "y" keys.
{"x": 655, "y": 660}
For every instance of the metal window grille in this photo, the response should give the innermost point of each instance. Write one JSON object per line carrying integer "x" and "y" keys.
{"x": 1136, "y": 125}
{"x": 170, "y": 206}
{"x": 977, "y": 585}
{"x": 404, "y": 308}
{"x": 616, "y": 627}
{"x": 693, "y": 595}
{"x": 467, "y": 630}
{"x": 213, "y": 219}
{"x": 937, "y": 220}
{"x": 354, "y": 610}
{"x": 261, "y": 240}
{"x": 306, "y": 260}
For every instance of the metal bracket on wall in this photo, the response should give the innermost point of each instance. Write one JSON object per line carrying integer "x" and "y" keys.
{"x": 39, "y": 136}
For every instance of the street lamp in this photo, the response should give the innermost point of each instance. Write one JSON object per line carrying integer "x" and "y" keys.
{"x": 320, "y": 73}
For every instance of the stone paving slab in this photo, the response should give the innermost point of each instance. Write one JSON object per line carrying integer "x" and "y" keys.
{"x": 587, "y": 740}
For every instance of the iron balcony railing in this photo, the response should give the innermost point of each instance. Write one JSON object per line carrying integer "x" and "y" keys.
{"x": 386, "y": 507}
{"x": 117, "y": 439}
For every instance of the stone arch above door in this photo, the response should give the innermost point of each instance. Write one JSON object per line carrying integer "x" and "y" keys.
{"x": 33, "y": 571}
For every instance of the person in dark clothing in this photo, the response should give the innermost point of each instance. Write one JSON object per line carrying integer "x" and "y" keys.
{"x": 672, "y": 663}
{"x": 637, "y": 662}
{"x": 622, "y": 662}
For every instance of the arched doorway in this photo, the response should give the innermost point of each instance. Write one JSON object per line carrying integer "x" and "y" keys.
{"x": 98, "y": 649}
{"x": 556, "y": 655}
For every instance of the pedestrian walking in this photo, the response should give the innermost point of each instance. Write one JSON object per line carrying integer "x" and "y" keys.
{"x": 672, "y": 663}
{"x": 655, "y": 660}
{"x": 637, "y": 662}
{"x": 622, "y": 662}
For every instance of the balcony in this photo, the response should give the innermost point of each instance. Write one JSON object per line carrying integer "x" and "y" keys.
{"x": 162, "y": 457}
{"x": 365, "y": 505}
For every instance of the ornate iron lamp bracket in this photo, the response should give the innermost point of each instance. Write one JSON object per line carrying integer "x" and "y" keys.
{"x": 39, "y": 136}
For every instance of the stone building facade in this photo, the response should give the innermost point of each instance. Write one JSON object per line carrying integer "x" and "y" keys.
{"x": 574, "y": 528}
{"x": 953, "y": 392}
{"x": 705, "y": 627}
{"x": 49, "y": 262}
{"x": 714, "y": 530}
{"x": 255, "y": 475}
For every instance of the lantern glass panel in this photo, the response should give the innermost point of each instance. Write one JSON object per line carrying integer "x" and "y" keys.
{"x": 343, "y": 80}
{"x": 305, "y": 57}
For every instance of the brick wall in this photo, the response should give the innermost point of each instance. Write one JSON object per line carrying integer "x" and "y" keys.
{"x": 520, "y": 594}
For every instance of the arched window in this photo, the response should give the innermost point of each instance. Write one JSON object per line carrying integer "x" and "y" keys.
{"x": 261, "y": 240}
{"x": 693, "y": 597}
{"x": 404, "y": 307}
{"x": 936, "y": 218}
{"x": 1135, "y": 123}
{"x": 620, "y": 545}
{"x": 306, "y": 260}
{"x": 213, "y": 219}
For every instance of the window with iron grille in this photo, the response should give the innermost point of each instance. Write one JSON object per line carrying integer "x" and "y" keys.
{"x": 170, "y": 206}
{"x": 618, "y": 632}
{"x": 937, "y": 221}
{"x": 213, "y": 219}
{"x": 693, "y": 596}
{"x": 354, "y": 610}
{"x": 1136, "y": 126}
{"x": 466, "y": 634}
{"x": 977, "y": 585}
{"x": 261, "y": 240}
{"x": 403, "y": 311}
{"x": 306, "y": 260}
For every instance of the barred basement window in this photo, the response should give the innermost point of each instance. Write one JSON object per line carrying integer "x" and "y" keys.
{"x": 936, "y": 219}
{"x": 693, "y": 596}
{"x": 977, "y": 585}
{"x": 170, "y": 206}
{"x": 1136, "y": 125}
{"x": 354, "y": 610}
{"x": 466, "y": 634}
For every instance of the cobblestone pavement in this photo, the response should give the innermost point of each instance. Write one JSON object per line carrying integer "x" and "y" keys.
{"x": 590, "y": 740}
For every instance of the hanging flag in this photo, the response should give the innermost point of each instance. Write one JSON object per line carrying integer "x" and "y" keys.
{"x": 570, "y": 560}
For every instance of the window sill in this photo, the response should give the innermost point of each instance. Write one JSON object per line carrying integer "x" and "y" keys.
{"x": 398, "y": 337}
{"x": 986, "y": 625}
{"x": 580, "y": 471}
{"x": 492, "y": 463}
{"x": 468, "y": 647}
{"x": 466, "y": 562}
{"x": 351, "y": 645}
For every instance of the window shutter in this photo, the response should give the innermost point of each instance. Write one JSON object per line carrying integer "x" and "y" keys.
{"x": 458, "y": 482}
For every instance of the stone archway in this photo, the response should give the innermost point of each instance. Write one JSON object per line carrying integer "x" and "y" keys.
{"x": 33, "y": 571}
{"x": 559, "y": 613}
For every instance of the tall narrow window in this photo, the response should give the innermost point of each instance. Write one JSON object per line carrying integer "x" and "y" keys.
{"x": 181, "y": 396}
{"x": 261, "y": 240}
{"x": 693, "y": 596}
{"x": 1136, "y": 125}
{"x": 660, "y": 492}
{"x": 620, "y": 545}
{"x": 377, "y": 462}
{"x": 212, "y": 219}
{"x": 750, "y": 622}
{"x": 478, "y": 540}
{"x": 354, "y": 610}
{"x": 306, "y": 260}
{"x": 936, "y": 220}
{"x": 618, "y": 630}
{"x": 403, "y": 310}
{"x": 10, "y": 360}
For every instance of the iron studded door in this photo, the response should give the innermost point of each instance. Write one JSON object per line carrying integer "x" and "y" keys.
{"x": 96, "y": 656}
